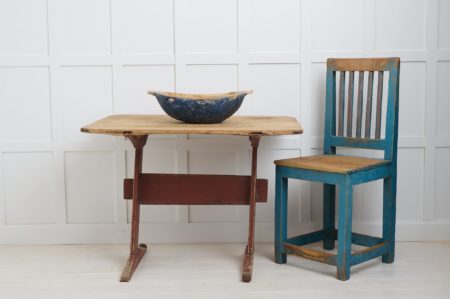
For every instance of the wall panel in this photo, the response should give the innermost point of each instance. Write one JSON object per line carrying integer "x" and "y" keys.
{"x": 84, "y": 27}
{"x": 274, "y": 26}
{"x": 146, "y": 27}
{"x": 444, "y": 25}
{"x": 28, "y": 188}
{"x": 207, "y": 26}
{"x": 336, "y": 25}
{"x": 443, "y": 99}
{"x": 396, "y": 29}
{"x": 442, "y": 186}
{"x": 412, "y": 96}
{"x": 23, "y": 27}
{"x": 90, "y": 187}
{"x": 25, "y": 106}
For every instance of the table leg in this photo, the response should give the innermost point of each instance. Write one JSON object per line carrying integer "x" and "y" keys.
{"x": 248, "y": 255}
{"x": 137, "y": 251}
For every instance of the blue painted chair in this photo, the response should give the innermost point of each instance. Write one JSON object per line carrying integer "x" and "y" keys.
{"x": 346, "y": 171}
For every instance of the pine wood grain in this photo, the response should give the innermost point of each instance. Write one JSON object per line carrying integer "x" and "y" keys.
{"x": 162, "y": 124}
{"x": 332, "y": 163}
{"x": 362, "y": 64}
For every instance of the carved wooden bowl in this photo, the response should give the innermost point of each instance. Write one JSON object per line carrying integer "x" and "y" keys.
{"x": 200, "y": 108}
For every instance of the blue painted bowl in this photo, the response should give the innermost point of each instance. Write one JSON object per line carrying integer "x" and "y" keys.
{"x": 200, "y": 108}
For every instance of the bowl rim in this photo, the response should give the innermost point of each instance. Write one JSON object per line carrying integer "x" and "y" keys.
{"x": 201, "y": 97}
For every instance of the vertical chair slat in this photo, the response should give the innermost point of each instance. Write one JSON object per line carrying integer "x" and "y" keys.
{"x": 341, "y": 104}
{"x": 330, "y": 112}
{"x": 369, "y": 106}
{"x": 350, "y": 104}
{"x": 359, "y": 106}
{"x": 379, "y": 102}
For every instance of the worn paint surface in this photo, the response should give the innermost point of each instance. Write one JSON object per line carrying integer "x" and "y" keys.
{"x": 247, "y": 268}
{"x": 345, "y": 180}
{"x": 311, "y": 254}
{"x": 137, "y": 250}
{"x": 195, "y": 189}
{"x": 201, "y": 110}
{"x": 149, "y": 189}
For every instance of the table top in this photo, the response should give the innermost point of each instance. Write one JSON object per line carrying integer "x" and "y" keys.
{"x": 163, "y": 124}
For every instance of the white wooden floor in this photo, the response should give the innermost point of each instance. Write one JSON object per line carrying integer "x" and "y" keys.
{"x": 421, "y": 270}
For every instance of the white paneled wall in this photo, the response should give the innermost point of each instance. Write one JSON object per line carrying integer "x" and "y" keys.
{"x": 64, "y": 64}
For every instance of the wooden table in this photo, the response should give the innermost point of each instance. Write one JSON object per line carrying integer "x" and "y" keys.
{"x": 192, "y": 189}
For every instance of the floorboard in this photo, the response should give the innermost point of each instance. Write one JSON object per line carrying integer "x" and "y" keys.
{"x": 421, "y": 270}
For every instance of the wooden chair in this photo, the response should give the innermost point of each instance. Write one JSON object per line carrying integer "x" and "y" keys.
{"x": 346, "y": 171}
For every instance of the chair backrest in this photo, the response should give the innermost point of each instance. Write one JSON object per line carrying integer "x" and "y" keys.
{"x": 357, "y": 131}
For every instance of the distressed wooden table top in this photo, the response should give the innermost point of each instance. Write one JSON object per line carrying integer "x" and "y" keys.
{"x": 163, "y": 124}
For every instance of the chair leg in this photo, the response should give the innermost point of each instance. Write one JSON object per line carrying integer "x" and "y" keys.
{"x": 389, "y": 211}
{"x": 281, "y": 186}
{"x": 329, "y": 206}
{"x": 344, "y": 231}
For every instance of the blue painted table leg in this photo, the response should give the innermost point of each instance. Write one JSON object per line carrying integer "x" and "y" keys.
{"x": 281, "y": 185}
{"x": 389, "y": 207}
{"x": 344, "y": 255}
{"x": 329, "y": 204}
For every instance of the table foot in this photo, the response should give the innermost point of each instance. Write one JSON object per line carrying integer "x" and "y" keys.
{"x": 248, "y": 265}
{"x": 133, "y": 262}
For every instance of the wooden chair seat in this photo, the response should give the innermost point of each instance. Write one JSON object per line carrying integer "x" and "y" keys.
{"x": 333, "y": 163}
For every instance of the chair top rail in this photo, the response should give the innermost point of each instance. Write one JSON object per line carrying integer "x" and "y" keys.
{"x": 363, "y": 64}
